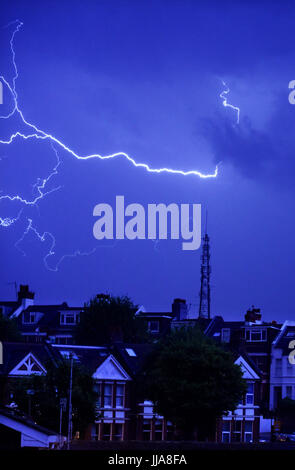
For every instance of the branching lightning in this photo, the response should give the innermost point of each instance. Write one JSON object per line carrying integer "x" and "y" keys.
{"x": 223, "y": 96}
{"x": 34, "y": 132}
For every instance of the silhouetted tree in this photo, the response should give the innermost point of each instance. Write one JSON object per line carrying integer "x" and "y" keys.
{"x": 45, "y": 392}
{"x": 192, "y": 382}
{"x": 8, "y": 329}
{"x": 106, "y": 319}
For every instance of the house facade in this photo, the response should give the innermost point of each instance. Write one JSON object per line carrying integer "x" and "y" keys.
{"x": 282, "y": 375}
{"x": 243, "y": 424}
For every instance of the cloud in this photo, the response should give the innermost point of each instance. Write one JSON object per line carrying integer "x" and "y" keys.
{"x": 266, "y": 155}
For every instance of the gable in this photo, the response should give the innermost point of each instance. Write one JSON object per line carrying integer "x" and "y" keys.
{"x": 27, "y": 366}
{"x": 248, "y": 372}
{"x": 110, "y": 369}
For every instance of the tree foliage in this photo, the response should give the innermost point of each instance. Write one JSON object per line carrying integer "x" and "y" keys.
{"x": 45, "y": 392}
{"x": 106, "y": 319}
{"x": 192, "y": 382}
{"x": 8, "y": 329}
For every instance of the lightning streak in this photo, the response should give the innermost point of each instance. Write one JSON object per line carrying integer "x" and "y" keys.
{"x": 42, "y": 238}
{"x": 34, "y": 132}
{"x": 223, "y": 96}
{"x": 40, "y": 134}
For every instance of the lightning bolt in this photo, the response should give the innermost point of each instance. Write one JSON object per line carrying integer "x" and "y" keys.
{"x": 40, "y": 134}
{"x": 223, "y": 96}
{"x": 34, "y": 132}
{"x": 42, "y": 238}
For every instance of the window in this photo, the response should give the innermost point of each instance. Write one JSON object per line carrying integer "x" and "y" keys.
{"x": 146, "y": 429}
{"x": 225, "y": 431}
{"x": 158, "y": 430}
{"x": 120, "y": 396}
{"x": 277, "y": 396}
{"x": 289, "y": 391}
{"x": 237, "y": 431}
{"x": 248, "y": 434}
{"x": 94, "y": 432}
{"x": 130, "y": 352}
{"x": 255, "y": 334}
{"x": 154, "y": 326}
{"x": 170, "y": 431}
{"x": 106, "y": 436}
{"x": 225, "y": 335}
{"x": 29, "y": 317}
{"x": 278, "y": 367}
{"x": 117, "y": 432}
{"x": 108, "y": 396}
{"x": 69, "y": 318}
{"x": 250, "y": 394}
{"x": 289, "y": 367}
{"x": 97, "y": 390}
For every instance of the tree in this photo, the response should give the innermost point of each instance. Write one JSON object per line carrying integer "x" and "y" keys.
{"x": 106, "y": 319}
{"x": 192, "y": 382}
{"x": 8, "y": 329}
{"x": 40, "y": 396}
{"x": 286, "y": 414}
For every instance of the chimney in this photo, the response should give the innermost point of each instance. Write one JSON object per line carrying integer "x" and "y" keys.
{"x": 253, "y": 315}
{"x": 179, "y": 309}
{"x": 25, "y": 296}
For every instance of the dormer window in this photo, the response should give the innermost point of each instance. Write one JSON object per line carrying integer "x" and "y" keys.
{"x": 255, "y": 334}
{"x": 154, "y": 326}
{"x": 29, "y": 317}
{"x": 69, "y": 318}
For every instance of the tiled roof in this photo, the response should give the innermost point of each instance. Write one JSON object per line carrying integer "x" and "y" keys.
{"x": 91, "y": 357}
{"x": 14, "y": 353}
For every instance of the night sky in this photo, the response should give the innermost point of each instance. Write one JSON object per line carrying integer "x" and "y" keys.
{"x": 144, "y": 77}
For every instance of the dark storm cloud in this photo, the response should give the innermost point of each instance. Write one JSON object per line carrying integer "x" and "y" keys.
{"x": 266, "y": 155}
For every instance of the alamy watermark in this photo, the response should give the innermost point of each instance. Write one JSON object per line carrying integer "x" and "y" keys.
{"x": 184, "y": 222}
{"x": 1, "y": 353}
{"x": 1, "y": 92}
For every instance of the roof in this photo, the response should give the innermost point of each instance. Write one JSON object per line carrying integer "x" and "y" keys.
{"x": 91, "y": 357}
{"x": 133, "y": 362}
{"x": 9, "y": 303}
{"x": 286, "y": 335}
{"x": 49, "y": 308}
{"x": 25, "y": 419}
{"x": 14, "y": 353}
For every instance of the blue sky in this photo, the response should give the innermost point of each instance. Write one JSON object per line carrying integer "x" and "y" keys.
{"x": 145, "y": 78}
